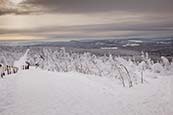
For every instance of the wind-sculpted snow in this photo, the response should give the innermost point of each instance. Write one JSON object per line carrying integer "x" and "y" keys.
{"x": 38, "y": 92}
{"x": 127, "y": 70}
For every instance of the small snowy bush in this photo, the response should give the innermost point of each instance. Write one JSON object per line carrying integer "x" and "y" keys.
{"x": 157, "y": 68}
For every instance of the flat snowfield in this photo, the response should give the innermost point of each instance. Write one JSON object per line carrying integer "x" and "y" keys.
{"x": 38, "y": 92}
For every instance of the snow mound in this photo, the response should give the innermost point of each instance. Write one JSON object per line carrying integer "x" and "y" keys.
{"x": 38, "y": 92}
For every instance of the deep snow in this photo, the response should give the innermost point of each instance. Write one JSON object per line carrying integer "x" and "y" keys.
{"x": 38, "y": 92}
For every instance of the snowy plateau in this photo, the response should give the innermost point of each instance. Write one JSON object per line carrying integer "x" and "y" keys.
{"x": 84, "y": 84}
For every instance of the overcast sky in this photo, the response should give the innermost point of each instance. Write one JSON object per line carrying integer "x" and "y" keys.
{"x": 85, "y": 19}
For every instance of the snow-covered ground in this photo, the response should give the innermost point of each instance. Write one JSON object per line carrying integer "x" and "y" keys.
{"x": 38, "y": 92}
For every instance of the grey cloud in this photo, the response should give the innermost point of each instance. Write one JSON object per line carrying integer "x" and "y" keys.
{"x": 15, "y": 11}
{"x": 93, "y": 6}
{"x": 99, "y": 30}
{"x": 85, "y": 6}
{"x": 152, "y": 27}
{"x": 6, "y": 7}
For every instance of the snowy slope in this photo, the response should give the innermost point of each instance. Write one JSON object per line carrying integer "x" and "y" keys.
{"x": 38, "y": 92}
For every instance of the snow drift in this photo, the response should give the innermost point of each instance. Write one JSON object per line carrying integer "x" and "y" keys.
{"x": 87, "y": 84}
{"x": 128, "y": 71}
{"x": 38, "y": 92}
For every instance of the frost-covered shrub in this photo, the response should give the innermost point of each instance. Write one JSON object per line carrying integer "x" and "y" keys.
{"x": 127, "y": 71}
{"x": 157, "y": 68}
{"x": 57, "y": 59}
{"x": 165, "y": 62}
{"x": 87, "y": 63}
{"x": 8, "y": 55}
